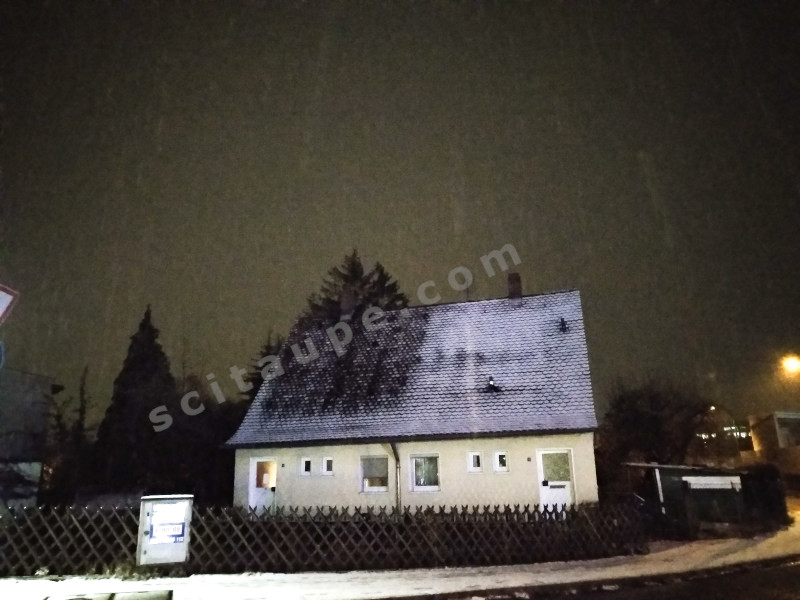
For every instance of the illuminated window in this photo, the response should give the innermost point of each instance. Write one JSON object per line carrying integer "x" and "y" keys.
{"x": 266, "y": 473}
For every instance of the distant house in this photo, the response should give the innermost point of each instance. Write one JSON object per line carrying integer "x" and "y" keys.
{"x": 482, "y": 403}
{"x": 25, "y": 401}
{"x": 776, "y": 440}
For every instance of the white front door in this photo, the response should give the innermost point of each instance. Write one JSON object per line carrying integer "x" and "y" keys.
{"x": 555, "y": 477}
{"x": 262, "y": 483}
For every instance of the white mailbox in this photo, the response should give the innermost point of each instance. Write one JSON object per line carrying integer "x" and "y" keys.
{"x": 164, "y": 528}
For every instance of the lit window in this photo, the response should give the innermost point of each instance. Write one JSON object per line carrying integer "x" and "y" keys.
{"x": 501, "y": 461}
{"x": 374, "y": 473}
{"x": 474, "y": 464}
{"x": 425, "y": 473}
{"x": 327, "y": 465}
{"x": 266, "y": 473}
{"x": 305, "y": 466}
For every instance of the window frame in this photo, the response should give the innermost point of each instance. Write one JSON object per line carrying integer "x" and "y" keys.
{"x": 471, "y": 468}
{"x": 498, "y": 468}
{"x": 303, "y": 461}
{"x": 372, "y": 489}
{"x": 323, "y": 467}
{"x": 413, "y": 473}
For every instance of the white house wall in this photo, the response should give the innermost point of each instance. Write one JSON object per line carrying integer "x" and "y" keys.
{"x": 520, "y": 485}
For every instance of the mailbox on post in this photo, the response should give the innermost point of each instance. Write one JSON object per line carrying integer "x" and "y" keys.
{"x": 164, "y": 528}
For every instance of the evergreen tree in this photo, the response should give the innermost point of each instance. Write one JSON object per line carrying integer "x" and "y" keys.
{"x": 129, "y": 452}
{"x": 366, "y": 288}
{"x": 191, "y": 445}
{"x": 198, "y": 463}
{"x": 271, "y": 347}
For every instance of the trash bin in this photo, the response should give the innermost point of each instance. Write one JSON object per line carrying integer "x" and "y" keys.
{"x": 164, "y": 529}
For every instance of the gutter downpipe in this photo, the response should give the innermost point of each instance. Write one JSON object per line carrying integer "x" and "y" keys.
{"x": 397, "y": 477}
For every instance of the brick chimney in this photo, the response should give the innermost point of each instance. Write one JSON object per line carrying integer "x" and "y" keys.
{"x": 514, "y": 285}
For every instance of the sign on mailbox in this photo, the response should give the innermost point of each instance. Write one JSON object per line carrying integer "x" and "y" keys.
{"x": 164, "y": 527}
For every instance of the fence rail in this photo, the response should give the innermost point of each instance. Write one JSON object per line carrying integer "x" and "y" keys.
{"x": 75, "y": 540}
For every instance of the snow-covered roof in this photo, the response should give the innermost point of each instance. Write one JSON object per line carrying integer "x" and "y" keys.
{"x": 426, "y": 374}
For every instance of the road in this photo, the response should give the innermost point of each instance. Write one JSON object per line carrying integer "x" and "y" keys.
{"x": 776, "y": 583}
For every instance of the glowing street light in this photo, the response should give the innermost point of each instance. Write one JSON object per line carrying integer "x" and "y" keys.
{"x": 791, "y": 364}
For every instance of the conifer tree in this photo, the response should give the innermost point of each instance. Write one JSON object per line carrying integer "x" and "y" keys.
{"x": 367, "y": 288}
{"x": 128, "y": 450}
{"x": 271, "y": 347}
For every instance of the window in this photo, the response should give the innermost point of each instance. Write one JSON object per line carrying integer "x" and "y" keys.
{"x": 305, "y": 466}
{"x": 474, "y": 464}
{"x": 327, "y": 465}
{"x": 266, "y": 473}
{"x": 501, "y": 461}
{"x": 374, "y": 473}
{"x": 425, "y": 473}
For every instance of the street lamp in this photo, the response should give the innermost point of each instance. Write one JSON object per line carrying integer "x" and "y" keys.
{"x": 791, "y": 364}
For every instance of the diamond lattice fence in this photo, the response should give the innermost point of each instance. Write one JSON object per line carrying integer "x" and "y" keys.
{"x": 79, "y": 540}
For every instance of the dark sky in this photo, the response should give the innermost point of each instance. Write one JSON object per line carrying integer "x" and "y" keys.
{"x": 214, "y": 159}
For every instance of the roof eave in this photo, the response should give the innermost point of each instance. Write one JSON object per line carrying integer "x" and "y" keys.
{"x": 407, "y": 438}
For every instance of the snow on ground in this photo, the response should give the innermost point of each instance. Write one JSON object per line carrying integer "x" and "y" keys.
{"x": 665, "y": 558}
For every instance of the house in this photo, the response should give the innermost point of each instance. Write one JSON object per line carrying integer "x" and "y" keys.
{"x": 25, "y": 401}
{"x": 776, "y": 440}
{"x": 775, "y": 431}
{"x": 471, "y": 403}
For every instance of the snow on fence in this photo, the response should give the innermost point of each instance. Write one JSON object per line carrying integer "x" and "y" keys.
{"x": 75, "y": 540}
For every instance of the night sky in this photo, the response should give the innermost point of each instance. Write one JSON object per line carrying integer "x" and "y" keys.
{"x": 215, "y": 159}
